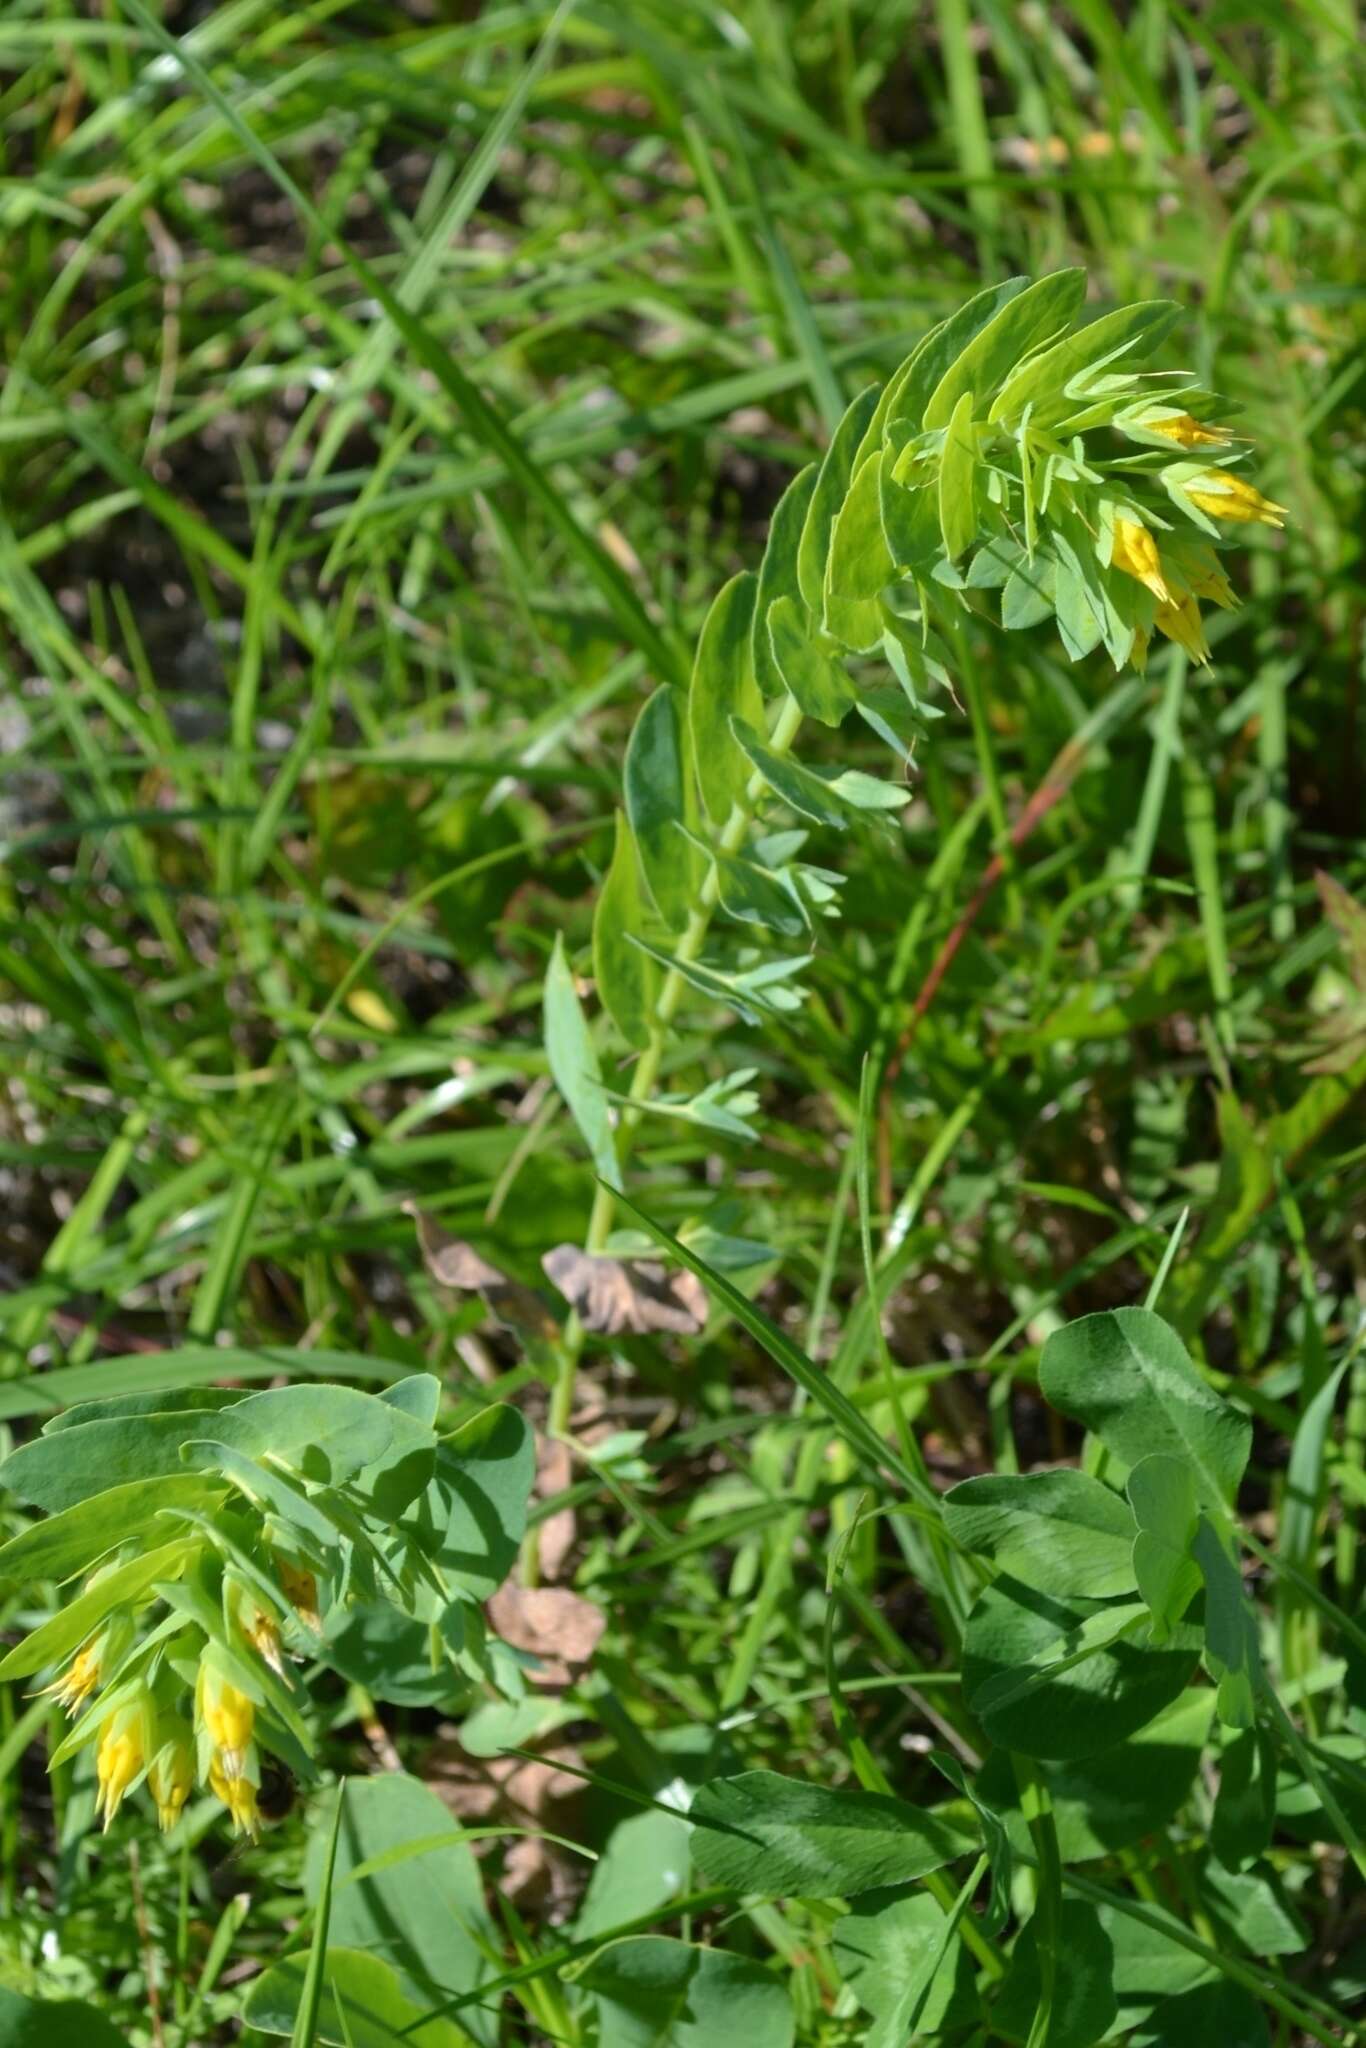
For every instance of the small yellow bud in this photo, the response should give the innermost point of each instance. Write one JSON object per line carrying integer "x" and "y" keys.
{"x": 1228, "y": 497}
{"x": 239, "y": 1796}
{"x": 1181, "y": 622}
{"x": 170, "y": 1774}
{"x": 1185, "y": 431}
{"x": 1135, "y": 552}
{"x": 226, "y": 1714}
{"x": 91, "y": 1665}
{"x": 125, "y": 1741}
{"x": 262, "y": 1633}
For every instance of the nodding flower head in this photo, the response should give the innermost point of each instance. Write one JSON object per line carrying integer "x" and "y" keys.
{"x": 92, "y": 1664}
{"x": 1135, "y": 552}
{"x": 1181, "y": 622}
{"x": 226, "y": 1715}
{"x": 125, "y": 1747}
{"x": 238, "y": 1794}
{"x": 262, "y": 1632}
{"x": 1224, "y": 496}
{"x": 1181, "y": 428}
{"x": 170, "y": 1774}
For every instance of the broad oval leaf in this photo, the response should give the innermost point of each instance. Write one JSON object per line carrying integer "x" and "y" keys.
{"x": 657, "y": 780}
{"x": 828, "y": 496}
{"x": 574, "y": 1064}
{"x": 958, "y": 480}
{"x": 1127, "y": 1376}
{"x": 1084, "y": 2001}
{"x": 778, "y": 572}
{"x": 891, "y": 1953}
{"x": 1062, "y": 1531}
{"x": 817, "y": 681}
{"x": 761, "y": 1832}
{"x": 724, "y": 687}
{"x": 1055, "y": 1678}
{"x": 1163, "y": 1497}
{"x": 652, "y": 1990}
{"x": 55, "y": 1472}
{"x": 54, "y": 2023}
{"x": 77, "y": 1538}
{"x": 627, "y": 978}
{"x": 362, "y": 2005}
{"x": 421, "y": 1904}
{"x": 861, "y": 564}
{"x": 909, "y": 391}
{"x": 1025, "y": 323}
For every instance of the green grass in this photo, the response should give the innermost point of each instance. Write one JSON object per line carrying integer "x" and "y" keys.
{"x": 387, "y": 393}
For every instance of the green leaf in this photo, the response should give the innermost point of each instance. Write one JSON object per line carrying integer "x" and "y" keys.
{"x": 401, "y": 1658}
{"x": 659, "y": 799}
{"x": 644, "y": 1865}
{"x": 80, "y": 1536}
{"x": 828, "y": 796}
{"x": 362, "y": 2005}
{"x": 54, "y": 2023}
{"x": 1030, "y": 593}
{"x": 1232, "y": 1652}
{"x": 1052, "y": 1679}
{"x": 68, "y": 1629}
{"x": 778, "y": 573}
{"x": 326, "y": 1434}
{"x": 827, "y": 498}
{"x": 166, "y": 1401}
{"x": 1110, "y": 1801}
{"x": 816, "y": 680}
{"x": 1249, "y": 1907}
{"x": 1047, "y": 383}
{"x": 891, "y": 1953}
{"x": 1025, "y": 323}
{"x": 1127, "y": 1375}
{"x": 1245, "y": 1804}
{"x": 1084, "y": 2001}
{"x": 909, "y": 391}
{"x": 574, "y": 1064}
{"x": 910, "y": 521}
{"x": 760, "y": 1832}
{"x": 758, "y": 895}
{"x": 1061, "y": 1531}
{"x": 1209, "y": 2013}
{"x": 1080, "y": 609}
{"x": 473, "y": 1517}
{"x": 724, "y": 687}
{"x": 957, "y": 480}
{"x": 1162, "y": 1493}
{"x": 420, "y": 1907}
{"x": 656, "y": 1993}
{"x": 627, "y": 980}
{"x": 861, "y": 564}
{"x": 55, "y": 1472}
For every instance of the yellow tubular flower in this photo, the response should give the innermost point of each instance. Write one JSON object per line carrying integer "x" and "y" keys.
{"x": 1181, "y": 622}
{"x": 226, "y": 1714}
{"x": 170, "y": 1774}
{"x": 1228, "y": 497}
{"x": 1209, "y": 580}
{"x": 1185, "y": 431}
{"x": 1135, "y": 552}
{"x": 239, "y": 1796}
{"x": 124, "y": 1743}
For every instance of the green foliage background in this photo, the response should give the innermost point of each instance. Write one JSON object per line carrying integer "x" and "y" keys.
{"x": 318, "y": 675}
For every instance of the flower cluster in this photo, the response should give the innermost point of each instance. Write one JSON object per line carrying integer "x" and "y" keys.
{"x": 140, "y": 1729}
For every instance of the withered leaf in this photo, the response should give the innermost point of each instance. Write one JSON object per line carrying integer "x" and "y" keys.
{"x": 559, "y": 1628}
{"x": 454, "y": 1264}
{"x": 639, "y": 1295}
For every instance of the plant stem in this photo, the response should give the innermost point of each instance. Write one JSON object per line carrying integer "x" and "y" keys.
{"x": 647, "y": 1067}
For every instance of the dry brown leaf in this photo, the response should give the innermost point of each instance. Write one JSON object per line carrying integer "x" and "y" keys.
{"x": 640, "y": 1295}
{"x": 554, "y": 1540}
{"x": 559, "y": 1628}
{"x": 458, "y": 1266}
